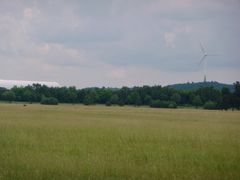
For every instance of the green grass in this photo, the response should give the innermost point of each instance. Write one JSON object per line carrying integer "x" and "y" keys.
{"x": 97, "y": 142}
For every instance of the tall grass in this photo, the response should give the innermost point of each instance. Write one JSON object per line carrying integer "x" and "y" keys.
{"x": 97, "y": 142}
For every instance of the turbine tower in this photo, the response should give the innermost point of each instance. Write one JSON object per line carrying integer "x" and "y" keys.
{"x": 203, "y": 60}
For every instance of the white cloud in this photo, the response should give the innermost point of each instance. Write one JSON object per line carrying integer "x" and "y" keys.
{"x": 28, "y": 13}
{"x": 117, "y": 73}
{"x": 170, "y": 5}
{"x": 169, "y": 38}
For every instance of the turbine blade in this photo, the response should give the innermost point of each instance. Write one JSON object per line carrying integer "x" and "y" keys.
{"x": 202, "y": 59}
{"x": 202, "y": 48}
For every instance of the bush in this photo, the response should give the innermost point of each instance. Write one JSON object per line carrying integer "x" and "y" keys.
{"x": 121, "y": 103}
{"x": 155, "y": 104}
{"x": 49, "y": 101}
{"x": 163, "y": 104}
{"x": 210, "y": 105}
{"x": 172, "y": 105}
{"x": 108, "y": 103}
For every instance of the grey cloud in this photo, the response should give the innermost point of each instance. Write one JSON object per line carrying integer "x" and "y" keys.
{"x": 111, "y": 38}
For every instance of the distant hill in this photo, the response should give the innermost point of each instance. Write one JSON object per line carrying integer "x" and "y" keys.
{"x": 197, "y": 85}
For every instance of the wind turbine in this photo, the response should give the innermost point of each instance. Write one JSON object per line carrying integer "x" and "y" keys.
{"x": 203, "y": 60}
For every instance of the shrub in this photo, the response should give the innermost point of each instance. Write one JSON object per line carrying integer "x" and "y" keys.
{"x": 210, "y": 105}
{"x": 121, "y": 103}
{"x": 163, "y": 104}
{"x": 108, "y": 103}
{"x": 49, "y": 101}
{"x": 172, "y": 105}
{"x": 155, "y": 104}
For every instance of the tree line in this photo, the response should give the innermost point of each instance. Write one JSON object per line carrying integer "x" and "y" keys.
{"x": 153, "y": 96}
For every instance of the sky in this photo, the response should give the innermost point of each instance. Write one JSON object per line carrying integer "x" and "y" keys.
{"x": 115, "y": 43}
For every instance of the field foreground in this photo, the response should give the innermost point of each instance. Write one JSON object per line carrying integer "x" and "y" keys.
{"x": 97, "y": 142}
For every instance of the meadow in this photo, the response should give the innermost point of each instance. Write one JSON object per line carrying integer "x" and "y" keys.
{"x": 98, "y": 142}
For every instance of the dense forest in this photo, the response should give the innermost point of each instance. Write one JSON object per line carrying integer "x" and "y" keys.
{"x": 197, "y": 85}
{"x": 153, "y": 96}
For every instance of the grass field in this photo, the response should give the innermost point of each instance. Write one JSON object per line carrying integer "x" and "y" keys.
{"x": 97, "y": 142}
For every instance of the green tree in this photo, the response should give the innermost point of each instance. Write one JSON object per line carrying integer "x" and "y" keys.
{"x": 226, "y": 95}
{"x": 71, "y": 95}
{"x": 210, "y": 105}
{"x": 156, "y": 104}
{"x": 49, "y": 101}
{"x": 123, "y": 95}
{"x": 2, "y": 90}
{"x": 18, "y": 91}
{"x": 134, "y": 99}
{"x": 237, "y": 88}
{"x": 163, "y": 104}
{"x": 197, "y": 101}
{"x": 90, "y": 98}
{"x": 237, "y": 95}
{"x": 172, "y": 105}
{"x": 9, "y": 96}
{"x": 29, "y": 96}
{"x": 114, "y": 99}
{"x": 176, "y": 98}
{"x": 147, "y": 100}
{"x": 209, "y": 94}
{"x": 105, "y": 95}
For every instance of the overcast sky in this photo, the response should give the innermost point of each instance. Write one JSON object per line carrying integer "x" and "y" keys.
{"x": 117, "y": 43}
